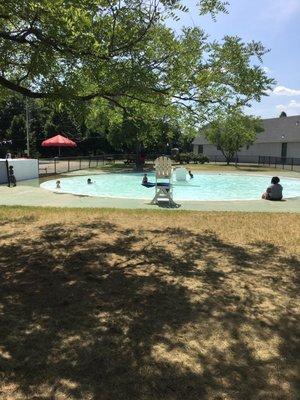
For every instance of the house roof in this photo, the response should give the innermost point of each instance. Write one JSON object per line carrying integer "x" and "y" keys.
{"x": 285, "y": 129}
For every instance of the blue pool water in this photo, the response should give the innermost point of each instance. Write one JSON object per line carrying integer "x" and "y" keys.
{"x": 204, "y": 186}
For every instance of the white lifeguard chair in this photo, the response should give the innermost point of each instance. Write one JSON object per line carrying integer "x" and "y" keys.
{"x": 163, "y": 171}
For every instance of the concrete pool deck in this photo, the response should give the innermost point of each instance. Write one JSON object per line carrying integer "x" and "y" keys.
{"x": 29, "y": 193}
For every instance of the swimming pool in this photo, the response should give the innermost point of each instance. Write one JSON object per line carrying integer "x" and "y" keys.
{"x": 203, "y": 187}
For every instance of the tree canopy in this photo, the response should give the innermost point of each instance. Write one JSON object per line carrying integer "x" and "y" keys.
{"x": 126, "y": 54}
{"x": 232, "y": 132}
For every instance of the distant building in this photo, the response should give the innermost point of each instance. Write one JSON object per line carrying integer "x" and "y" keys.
{"x": 280, "y": 138}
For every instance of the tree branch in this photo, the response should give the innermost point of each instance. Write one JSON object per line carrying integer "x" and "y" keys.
{"x": 56, "y": 95}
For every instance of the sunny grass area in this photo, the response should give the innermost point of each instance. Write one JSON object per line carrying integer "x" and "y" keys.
{"x": 108, "y": 304}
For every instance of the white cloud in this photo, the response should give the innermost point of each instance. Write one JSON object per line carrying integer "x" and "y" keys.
{"x": 291, "y": 108}
{"x": 284, "y": 91}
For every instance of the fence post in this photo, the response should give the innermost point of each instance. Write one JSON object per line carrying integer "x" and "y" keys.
{"x": 55, "y": 166}
{"x": 292, "y": 164}
{"x": 89, "y": 162}
{"x": 68, "y": 165}
{"x": 79, "y": 163}
{"x": 275, "y": 162}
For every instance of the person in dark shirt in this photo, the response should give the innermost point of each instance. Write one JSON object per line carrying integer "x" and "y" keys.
{"x": 145, "y": 179}
{"x": 274, "y": 191}
{"x": 11, "y": 177}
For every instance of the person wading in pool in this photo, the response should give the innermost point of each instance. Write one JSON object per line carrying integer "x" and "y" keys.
{"x": 274, "y": 191}
{"x": 145, "y": 179}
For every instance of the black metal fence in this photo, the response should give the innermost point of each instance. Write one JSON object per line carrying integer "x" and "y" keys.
{"x": 60, "y": 165}
{"x": 289, "y": 163}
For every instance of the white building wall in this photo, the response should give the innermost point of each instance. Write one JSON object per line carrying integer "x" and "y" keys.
{"x": 23, "y": 169}
{"x": 257, "y": 149}
{"x": 208, "y": 150}
{"x": 262, "y": 149}
{"x": 293, "y": 150}
{"x": 3, "y": 172}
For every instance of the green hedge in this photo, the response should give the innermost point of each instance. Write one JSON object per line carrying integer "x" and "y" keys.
{"x": 186, "y": 158}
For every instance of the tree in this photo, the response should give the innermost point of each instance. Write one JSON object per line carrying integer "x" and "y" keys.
{"x": 232, "y": 132}
{"x": 126, "y": 55}
{"x": 17, "y": 133}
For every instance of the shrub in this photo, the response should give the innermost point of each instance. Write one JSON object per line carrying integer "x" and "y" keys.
{"x": 182, "y": 158}
{"x": 199, "y": 158}
{"x": 186, "y": 158}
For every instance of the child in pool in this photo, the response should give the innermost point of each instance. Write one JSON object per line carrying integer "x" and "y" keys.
{"x": 57, "y": 184}
{"x": 145, "y": 179}
{"x": 191, "y": 175}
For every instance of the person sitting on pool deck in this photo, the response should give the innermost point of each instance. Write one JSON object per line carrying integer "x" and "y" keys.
{"x": 145, "y": 179}
{"x": 191, "y": 175}
{"x": 57, "y": 184}
{"x": 274, "y": 191}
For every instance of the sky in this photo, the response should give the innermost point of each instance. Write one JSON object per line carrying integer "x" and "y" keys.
{"x": 276, "y": 23}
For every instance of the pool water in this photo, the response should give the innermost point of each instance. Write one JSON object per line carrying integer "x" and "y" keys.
{"x": 204, "y": 186}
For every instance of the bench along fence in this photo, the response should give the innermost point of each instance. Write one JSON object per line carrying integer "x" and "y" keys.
{"x": 60, "y": 165}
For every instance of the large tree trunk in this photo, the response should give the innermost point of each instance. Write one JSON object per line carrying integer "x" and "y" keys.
{"x": 138, "y": 163}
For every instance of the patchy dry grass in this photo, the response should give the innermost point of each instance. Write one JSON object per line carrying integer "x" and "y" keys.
{"x": 109, "y": 305}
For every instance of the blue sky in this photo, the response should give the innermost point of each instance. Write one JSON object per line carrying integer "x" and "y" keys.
{"x": 276, "y": 23}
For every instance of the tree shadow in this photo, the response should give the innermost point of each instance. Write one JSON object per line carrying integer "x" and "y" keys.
{"x": 145, "y": 314}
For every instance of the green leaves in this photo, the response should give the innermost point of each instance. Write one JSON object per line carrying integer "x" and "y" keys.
{"x": 213, "y": 7}
{"x": 124, "y": 59}
{"x": 233, "y": 131}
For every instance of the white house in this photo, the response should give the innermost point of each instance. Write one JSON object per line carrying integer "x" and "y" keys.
{"x": 280, "y": 138}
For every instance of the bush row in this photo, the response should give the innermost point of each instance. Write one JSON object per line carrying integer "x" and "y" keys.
{"x": 186, "y": 158}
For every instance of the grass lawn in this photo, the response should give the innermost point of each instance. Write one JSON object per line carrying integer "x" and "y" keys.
{"x": 210, "y": 167}
{"x": 124, "y": 305}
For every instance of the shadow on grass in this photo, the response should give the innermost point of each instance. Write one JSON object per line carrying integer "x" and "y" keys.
{"x": 145, "y": 314}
